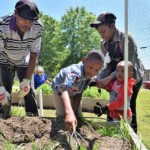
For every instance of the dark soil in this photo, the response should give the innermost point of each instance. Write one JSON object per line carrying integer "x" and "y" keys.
{"x": 30, "y": 133}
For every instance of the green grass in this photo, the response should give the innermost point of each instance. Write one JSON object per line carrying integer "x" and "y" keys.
{"x": 143, "y": 116}
{"x": 20, "y": 111}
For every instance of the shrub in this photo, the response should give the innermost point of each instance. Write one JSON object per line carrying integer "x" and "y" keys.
{"x": 46, "y": 89}
{"x": 92, "y": 92}
{"x": 89, "y": 92}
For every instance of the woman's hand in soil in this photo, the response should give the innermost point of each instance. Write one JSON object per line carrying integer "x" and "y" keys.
{"x": 71, "y": 122}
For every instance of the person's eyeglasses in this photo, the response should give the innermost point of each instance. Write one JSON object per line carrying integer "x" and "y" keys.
{"x": 39, "y": 72}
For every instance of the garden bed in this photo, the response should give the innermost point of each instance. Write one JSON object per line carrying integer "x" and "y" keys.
{"x": 28, "y": 133}
{"x": 87, "y": 103}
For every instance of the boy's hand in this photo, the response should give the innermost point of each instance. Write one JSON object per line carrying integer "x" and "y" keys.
{"x": 99, "y": 109}
{"x": 71, "y": 122}
{"x": 24, "y": 88}
{"x": 101, "y": 83}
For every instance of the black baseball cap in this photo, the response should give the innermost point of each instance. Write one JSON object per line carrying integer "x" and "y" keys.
{"x": 106, "y": 17}
{"x": 27, "y": 9}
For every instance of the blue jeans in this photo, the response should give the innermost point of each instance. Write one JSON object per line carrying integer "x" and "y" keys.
{"x": 8, "y": 74}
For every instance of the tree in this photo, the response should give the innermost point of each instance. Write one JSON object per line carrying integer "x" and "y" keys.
{"x": 77, "y": 35}
{"x": 67, "y": 41}
{"x": 52, "y": 48}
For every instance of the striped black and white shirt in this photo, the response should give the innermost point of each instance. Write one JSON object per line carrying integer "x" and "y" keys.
{"x": 13, "y": 49}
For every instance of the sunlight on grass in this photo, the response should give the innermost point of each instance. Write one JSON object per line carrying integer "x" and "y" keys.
{"x": 20, "y": 111}
{"x": 49, "y": 113}
{"x": 143, "y": 116}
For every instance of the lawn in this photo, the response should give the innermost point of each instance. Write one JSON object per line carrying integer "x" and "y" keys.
{"x": 143, "y": 116}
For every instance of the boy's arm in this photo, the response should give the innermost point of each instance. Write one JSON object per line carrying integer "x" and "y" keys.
{"x": 70, "y": 119}
{"x": 102, "y": 83}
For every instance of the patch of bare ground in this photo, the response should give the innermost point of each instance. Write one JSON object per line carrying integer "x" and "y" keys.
{"x": 27, "y": 133}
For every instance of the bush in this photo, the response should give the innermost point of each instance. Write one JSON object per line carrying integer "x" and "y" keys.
{"x": 89, "y": 92}
{"x": 92, "y": 92}
{"x": 46, "y": 89}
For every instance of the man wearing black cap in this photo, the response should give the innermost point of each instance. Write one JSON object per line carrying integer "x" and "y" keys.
{"x": 20, "y": 44}
{"x": 112, "y": 46}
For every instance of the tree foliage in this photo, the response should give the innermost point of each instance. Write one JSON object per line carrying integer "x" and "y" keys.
{"x": 53, "y": 51}
{"x": 77, "y": 34}
{"x": 68, "y": 41}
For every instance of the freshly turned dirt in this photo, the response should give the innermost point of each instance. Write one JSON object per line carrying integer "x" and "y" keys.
{"x": 27, "y": 133}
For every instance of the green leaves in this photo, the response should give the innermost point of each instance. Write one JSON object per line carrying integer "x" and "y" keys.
{"x": 77, "y": 33}
{"x": 92, "y": 92}
{"x": 67, "y": 41}
{"x": 46, "y": 89}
